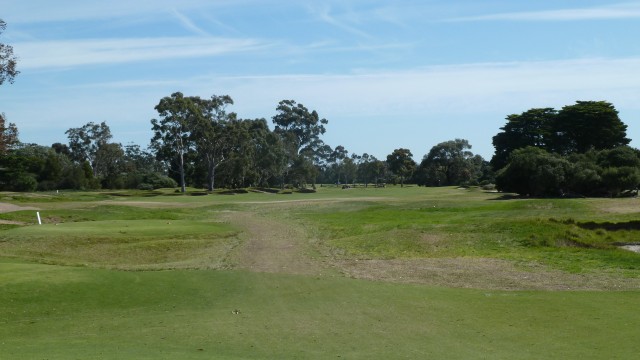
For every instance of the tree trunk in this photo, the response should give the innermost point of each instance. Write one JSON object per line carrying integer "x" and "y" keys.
{"x": 211, "y": 178}
{"x": 183, "y": 187}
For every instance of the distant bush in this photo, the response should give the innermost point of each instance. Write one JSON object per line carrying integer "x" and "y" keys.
{"x": 24, "y": 182}
{"x": 145, "y": 186}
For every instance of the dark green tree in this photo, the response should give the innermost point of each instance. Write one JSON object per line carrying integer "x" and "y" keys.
{"x": 588, "y": 125}
{"x": 450, "y": 163}
{"x": 111, "y": 165}
{"x": 531, "y": 128}
{"x": 8, "y": 135}
{"x": 533, "y": 171}
{"x": 401, "y": 164}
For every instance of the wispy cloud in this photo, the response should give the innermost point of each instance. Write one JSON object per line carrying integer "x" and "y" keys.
{"x": 610, "y": 12}
{"x": 70, "y": 53}
{"x": 324, "y": 13}
{"x": 73, "y": 10}
{"x": 188, "y": 24}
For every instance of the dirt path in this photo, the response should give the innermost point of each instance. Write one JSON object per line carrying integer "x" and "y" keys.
{"x": 271, "y": 246}
{"x": 275, "y": 246}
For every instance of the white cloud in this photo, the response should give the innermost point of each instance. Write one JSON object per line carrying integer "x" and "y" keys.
{"x": 188, "y": 24}
{"x": 70, "y": 53}
{"x": 455, "y": 88}
{"x": 610, "y": 12}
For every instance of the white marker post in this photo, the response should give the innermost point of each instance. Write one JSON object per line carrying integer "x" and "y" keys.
{"x": 39, "y": 221}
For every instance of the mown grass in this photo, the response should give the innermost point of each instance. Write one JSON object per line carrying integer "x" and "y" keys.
{"x": 61, "y": 312}
{"x": 94, "y": 310}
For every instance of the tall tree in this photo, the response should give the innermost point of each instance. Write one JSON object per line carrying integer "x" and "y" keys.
{"x": 8, "y": 60}
{"x": 172, "y": 138}
{"x": 213, "y": 133}
{"x": 401, "y": 163}
{"x": 588, "y": 125}
{"x": 531, "y": 128}
{"x": 300, "y": 130}
{"x": 85, "y": 141}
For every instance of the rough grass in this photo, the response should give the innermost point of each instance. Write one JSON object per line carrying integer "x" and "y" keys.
{"x": 475, "y": 224}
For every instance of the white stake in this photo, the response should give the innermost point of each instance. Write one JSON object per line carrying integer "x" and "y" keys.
{"x": 39, "y": 221}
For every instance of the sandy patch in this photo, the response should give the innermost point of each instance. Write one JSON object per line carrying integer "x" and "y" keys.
{"x": 6, "y": 207}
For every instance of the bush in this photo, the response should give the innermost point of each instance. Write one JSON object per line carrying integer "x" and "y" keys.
{"x": 24, "y": 182}
{"x": 145, "y": 186}
{"x": 534, "y": 172}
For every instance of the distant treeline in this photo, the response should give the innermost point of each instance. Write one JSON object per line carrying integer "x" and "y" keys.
{"x": 580, "y": 149}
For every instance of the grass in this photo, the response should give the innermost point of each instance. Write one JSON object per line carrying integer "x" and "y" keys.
{"x": 66, "y": 292}
{"x": 60, "y": 312}
{"x": 472, "y": 223}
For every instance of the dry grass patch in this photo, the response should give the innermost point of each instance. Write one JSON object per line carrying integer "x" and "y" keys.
{"x": 482, "y": 273}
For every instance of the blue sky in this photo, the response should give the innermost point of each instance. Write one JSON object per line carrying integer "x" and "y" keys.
{"x": 386, "y": 74}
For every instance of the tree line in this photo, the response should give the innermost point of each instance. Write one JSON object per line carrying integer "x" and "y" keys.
{"x": 197, "y": 142}
{"x": 579, "y": 150}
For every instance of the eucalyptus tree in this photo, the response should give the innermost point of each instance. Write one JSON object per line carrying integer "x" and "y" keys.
{"x": 215, "y": 132}
{"x": 85, "y": 141}
{"x": 300, "y": 130}
{"x": 8, "y": 61}
{"x": 401, "y": 164}
{"x": 367, "y": 168}
{"x": 193, "y": 127}
{"x": 172, "y": 138}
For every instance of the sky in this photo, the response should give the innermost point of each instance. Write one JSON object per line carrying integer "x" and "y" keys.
{"x": 385, "y": 74}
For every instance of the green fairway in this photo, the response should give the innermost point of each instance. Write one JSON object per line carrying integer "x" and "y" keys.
{"x": 58, "y": 313}
{"x": 390, "y": 273}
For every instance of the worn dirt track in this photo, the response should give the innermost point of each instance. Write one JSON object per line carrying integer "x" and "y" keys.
{"x": 271, "y": 246}
{"x": 277, "y": 246}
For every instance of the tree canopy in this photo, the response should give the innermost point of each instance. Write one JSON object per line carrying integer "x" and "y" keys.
{"x": 8, "y": 61}
{"x": 575, "y": 128}
{"x": 401, "y": 163}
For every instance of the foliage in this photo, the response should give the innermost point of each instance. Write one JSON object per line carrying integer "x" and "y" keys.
{"x": 8, "y": 135}
{"x": 534, "y": 172}
{"x": 531, "y": 128}
{"x": 172, "y": 138}
{"x": 578, "y": 128}
{"x": 450, "y": 163}
{"x": 8, "y": 60}
{"x": 86, "y": 141}
{"x": 588, "y": 125}
{"x": 588, "y": 135}
{"x": 300, "y": 130}
{"x": 401, "y": 163}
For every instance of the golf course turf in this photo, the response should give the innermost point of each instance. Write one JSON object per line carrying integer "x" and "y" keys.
{"x": 411, "y": 273}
